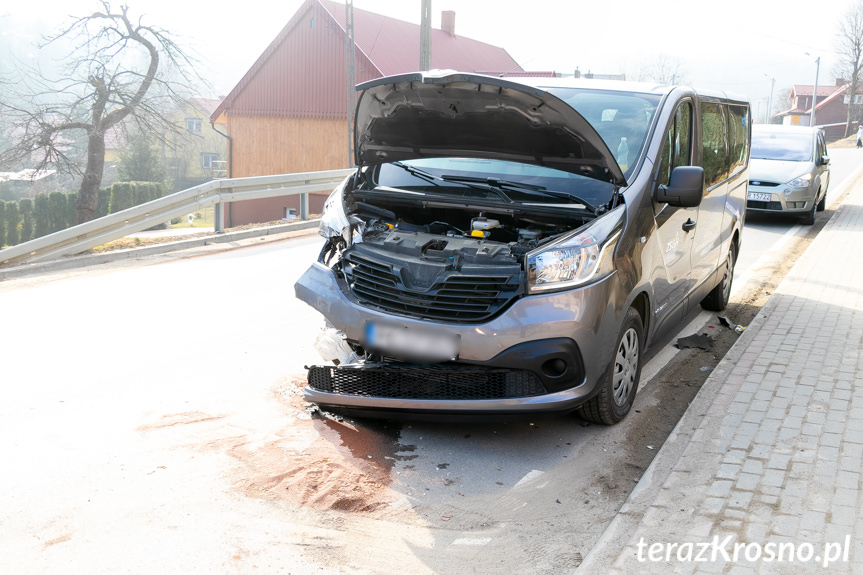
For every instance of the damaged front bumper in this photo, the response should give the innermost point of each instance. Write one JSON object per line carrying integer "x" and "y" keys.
{"x": 527, "y": 359}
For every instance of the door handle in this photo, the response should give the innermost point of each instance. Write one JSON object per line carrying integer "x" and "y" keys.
{"x": 688, "y": 225}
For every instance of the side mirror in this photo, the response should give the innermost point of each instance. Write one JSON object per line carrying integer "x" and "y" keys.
{"x": 685, "y": 188}
{"x": 823, "y": 161}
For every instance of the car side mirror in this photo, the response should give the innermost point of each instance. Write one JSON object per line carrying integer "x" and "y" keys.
{"x": 823, "y": 160}
{"x": 685, "y": 187}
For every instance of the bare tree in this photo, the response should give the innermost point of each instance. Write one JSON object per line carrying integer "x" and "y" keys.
{"x": 664, "y": 70}
{"x": 120, "y": 71}
{"x": 781, "y": 103}
{"x": 850, "y": 50}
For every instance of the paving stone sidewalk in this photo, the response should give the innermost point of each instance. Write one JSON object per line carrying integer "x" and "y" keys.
{"x": 768, "y": 460}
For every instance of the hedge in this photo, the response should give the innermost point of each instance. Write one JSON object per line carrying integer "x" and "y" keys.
{"x": 40, "y": 215}
{"x": 25, "y": 210}
{"x": 2, "y": 223}
{"x": 12, "y": 220}
{"x": 28, "y": 218}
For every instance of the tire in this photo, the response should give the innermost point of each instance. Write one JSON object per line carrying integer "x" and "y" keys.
{"x": 617, "y": 390}
{"x": 718, "y": 297}
{"x": 823, "y": 203}
{"x": 809, "y": 217}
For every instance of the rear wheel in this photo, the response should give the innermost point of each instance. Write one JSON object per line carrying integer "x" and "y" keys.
{"x": 718, "y": 297}
{"x": 618, "y": 387}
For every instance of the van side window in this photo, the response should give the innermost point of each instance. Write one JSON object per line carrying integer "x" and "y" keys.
{"x": 738, "y": 142}
{"x": 677, "y": 149}
{"x": 714, "y": 153}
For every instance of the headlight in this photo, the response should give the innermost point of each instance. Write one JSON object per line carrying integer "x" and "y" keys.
{"x": 334, "y": 219}
{"x": 801, "y": 182}
{"x": 578, "y": 258}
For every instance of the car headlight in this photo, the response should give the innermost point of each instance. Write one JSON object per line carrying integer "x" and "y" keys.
{"x": 578, "y": 258}
{"x": 334, "y": 218}
{"x": 800, "y": 182}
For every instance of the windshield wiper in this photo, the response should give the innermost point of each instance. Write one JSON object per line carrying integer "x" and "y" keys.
{"x": 527, "y": 189}
{"x": 417, "y": 172}
{"x": 494, "y": 182}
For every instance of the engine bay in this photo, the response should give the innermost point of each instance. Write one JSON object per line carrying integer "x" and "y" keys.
{"x": 460, "y": 231}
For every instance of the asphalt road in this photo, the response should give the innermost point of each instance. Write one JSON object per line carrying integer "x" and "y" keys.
{"x": 152, "y": 423}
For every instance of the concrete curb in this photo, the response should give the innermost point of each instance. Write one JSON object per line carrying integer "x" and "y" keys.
{"x": 79, "y": 261}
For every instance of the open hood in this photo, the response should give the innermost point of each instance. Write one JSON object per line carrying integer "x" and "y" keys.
{"x": 425, "y": 115}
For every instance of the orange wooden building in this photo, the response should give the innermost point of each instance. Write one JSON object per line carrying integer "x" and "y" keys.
{"x": 289, "y": 112}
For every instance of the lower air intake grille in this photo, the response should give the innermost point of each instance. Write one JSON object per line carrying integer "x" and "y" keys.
{"x": 425, "y": 382}
{"x": 764, "y": 205}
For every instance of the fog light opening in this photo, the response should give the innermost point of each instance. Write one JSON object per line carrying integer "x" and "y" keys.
{"x": 554, "y": 367}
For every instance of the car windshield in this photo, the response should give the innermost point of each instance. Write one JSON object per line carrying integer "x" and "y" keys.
{"x": 622, "y": 119}
{"x": 505, "y": 180}
{"x": 781, "y": 146}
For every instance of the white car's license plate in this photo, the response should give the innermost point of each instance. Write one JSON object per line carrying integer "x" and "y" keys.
{"x": 759, "y": 196}
{"x": 411, "y": 343}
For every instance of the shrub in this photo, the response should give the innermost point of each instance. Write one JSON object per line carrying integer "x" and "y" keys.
{"x": 56, "y": 212}
{"x": 2, "y": 223}
{"x": 72, "y": 209}
{"x": 41, "y": 216}
{"x": 12, "y": 218}
{"x": 103, "y": 203}
{"x": 121, "y": 197}
{"x": 25, "y": 207}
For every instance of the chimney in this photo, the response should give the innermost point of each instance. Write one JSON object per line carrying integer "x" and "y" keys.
{"x": 447, "y": 22}
{"x": 840, "y": 82}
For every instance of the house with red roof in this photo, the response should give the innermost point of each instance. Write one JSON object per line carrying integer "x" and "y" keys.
{"x": 288, "y": 113}
{"x": 831, "y": 108}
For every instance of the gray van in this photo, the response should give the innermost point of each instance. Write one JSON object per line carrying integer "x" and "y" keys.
{"x": 510, "y": 247}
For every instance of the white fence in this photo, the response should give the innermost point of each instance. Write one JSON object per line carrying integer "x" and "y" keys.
{"x": 97, "y": 232}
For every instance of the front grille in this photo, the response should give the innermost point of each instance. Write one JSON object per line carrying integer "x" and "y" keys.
{"x": 763, "y": 184}
{"x": 777, "y": 206}
{"x": 425, "y": 382}
{"x": 450, "y": 297}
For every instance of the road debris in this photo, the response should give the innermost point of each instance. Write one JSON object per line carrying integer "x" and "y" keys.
{"x": 700, "y": 341}
{"x": 738, "y": 329}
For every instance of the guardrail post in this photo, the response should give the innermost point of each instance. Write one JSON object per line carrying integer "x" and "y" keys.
{"x": 217, "y": 218}
{"x": 304, "y": 206}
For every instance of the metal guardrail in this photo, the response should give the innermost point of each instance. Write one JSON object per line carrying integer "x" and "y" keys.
{"x": 113, "y": 226}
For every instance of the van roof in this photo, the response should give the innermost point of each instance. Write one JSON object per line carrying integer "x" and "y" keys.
{"x": 627, "y": 86}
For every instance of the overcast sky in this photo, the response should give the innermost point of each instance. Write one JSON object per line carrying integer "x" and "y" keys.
{"x": 733, "y": 45}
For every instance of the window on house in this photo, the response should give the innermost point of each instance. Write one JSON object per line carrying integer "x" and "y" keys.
{"x": 208, "y": 159}
{"x": 193, "y": 125}
{"x": 858, "y": 99}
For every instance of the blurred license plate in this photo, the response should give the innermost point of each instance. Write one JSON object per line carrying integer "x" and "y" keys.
{"x": 759, "y": 196}
{"x": 411, "y": 343}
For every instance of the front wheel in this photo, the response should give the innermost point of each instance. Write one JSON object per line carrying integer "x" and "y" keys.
{"x": 618, "y": 387}
{"x": 823, "y": 203}
{"x": 718, "y": 297}
{"x": 809, "y": 217}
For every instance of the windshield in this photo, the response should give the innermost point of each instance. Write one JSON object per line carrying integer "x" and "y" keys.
{"x": 622, "y": 119}
{"x": 792, "y": 147}
{"x": 498, "y": 179}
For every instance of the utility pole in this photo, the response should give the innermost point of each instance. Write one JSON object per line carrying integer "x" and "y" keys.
{"x": 770, "y": 99}
{"x": 425, "y": 36}
{"x": 815, "y": 92}
{"x": 350, "y": 67}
